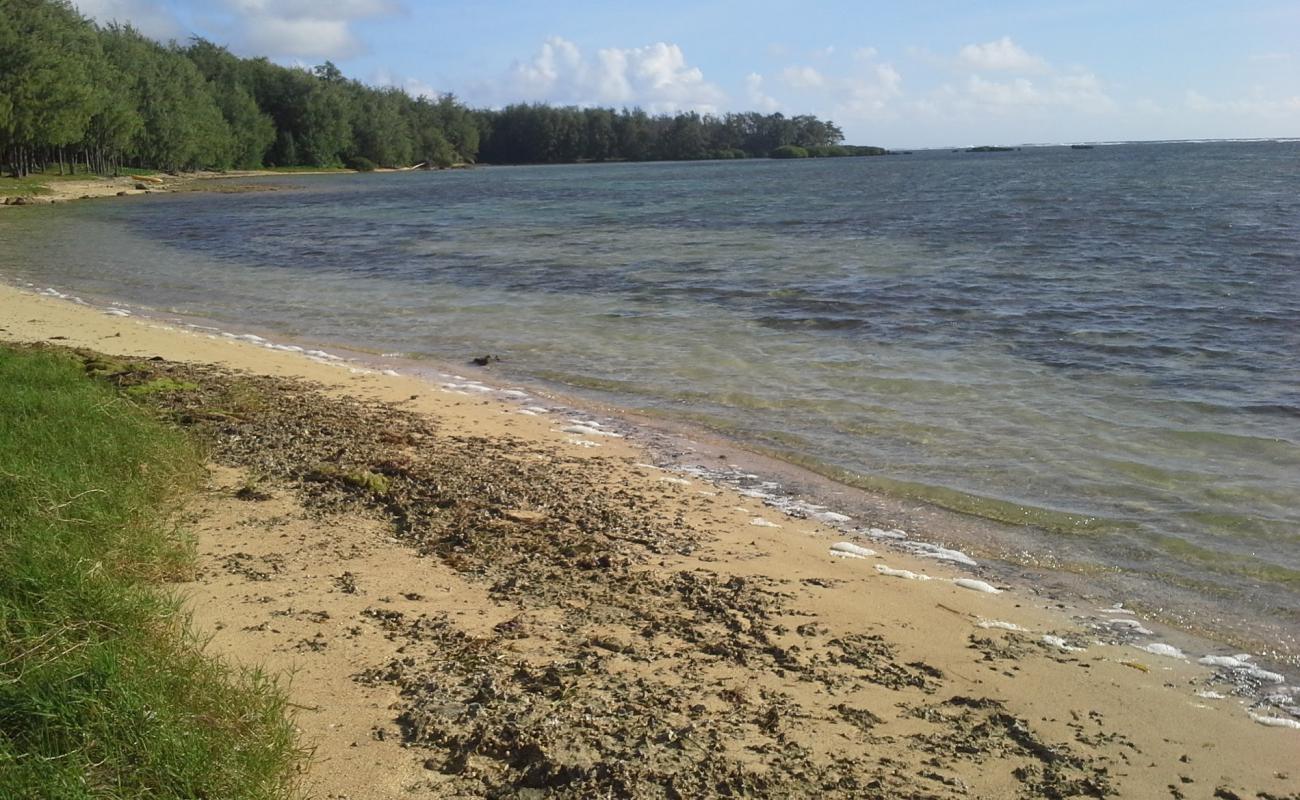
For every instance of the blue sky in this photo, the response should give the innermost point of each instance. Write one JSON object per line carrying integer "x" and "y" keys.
{"x": 901, "y": 74}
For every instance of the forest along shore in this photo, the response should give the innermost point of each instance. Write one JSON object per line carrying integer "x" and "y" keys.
{"x": 479, "y": 602}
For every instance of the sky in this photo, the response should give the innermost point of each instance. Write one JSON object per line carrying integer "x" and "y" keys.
{"x": 920, "y": 73}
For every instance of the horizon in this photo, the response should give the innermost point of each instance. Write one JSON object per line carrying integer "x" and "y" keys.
{"x": 932, "y": 77}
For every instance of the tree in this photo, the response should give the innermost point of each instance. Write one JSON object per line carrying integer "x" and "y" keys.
{"x": 252, "y": 132}
{"x": 109, "y": 96}
{"x": 45, "y": 78}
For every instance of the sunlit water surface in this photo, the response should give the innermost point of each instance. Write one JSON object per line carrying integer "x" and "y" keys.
{"x": 1102, "y": 343}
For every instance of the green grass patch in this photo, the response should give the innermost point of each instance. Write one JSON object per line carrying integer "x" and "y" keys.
{"x": 104, "y": 689}
{"x": 24, "y": 187}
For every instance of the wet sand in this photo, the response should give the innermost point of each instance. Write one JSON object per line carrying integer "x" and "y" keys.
{"x": 478, "y": 602}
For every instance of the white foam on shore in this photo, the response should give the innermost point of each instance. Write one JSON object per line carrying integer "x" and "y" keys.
{"x": 977, "y": 585}
{"x": 537, "y": 409}
{"x": 1209, "y": 695}
{"x": 1061, "y": 644}
{"x": 1000, "y": 625}
{"x": 117, "y": 312}
{"x": 678, "y": 481}
{"x": 525, "y": 412}
{"x": 582, "y": 442}
{"x": 1162, "y": 649}
{"x": 1131, "y": 625}
{"x": 883, "y": 534}
{"x": 759, "y": 522}
{"x": 1275, "y": 722}
{"x": 586, "y": 429}
{"x": 1116, "y": 610}
{"x": 941, "y": 553}
{"x": 1240, "y": 663}
{"x": 832, "y": 517}
{"x": 851, "y": 549}
{"x": 1225, "y": 661}
{"x": 905, "y": 574}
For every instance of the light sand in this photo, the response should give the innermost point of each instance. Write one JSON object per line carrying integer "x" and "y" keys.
{"x": 272, "y": 593}
{"x": 92, "y": 187}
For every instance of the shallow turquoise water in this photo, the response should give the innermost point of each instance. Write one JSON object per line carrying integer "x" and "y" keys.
{"x": 1104, "y": 343}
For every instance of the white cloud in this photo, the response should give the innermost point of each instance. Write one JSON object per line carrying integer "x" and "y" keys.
{"x": 412, "y": 86}
{"x": 1077, "y": 92}
{"x": 759, "y": 100}
{"x": 313, "y": 9}
{"x": 1255, "y": 103}
{"x": 301, "y": 28}
{"x": 1017, "y": 92}
{"x": 307, "y": 38}
{"x": 1002, "y": 54}
{"x": 656, "y": 77}
{"x": 802, "y": 77}
{"x": 147, "y": 16}
{"x": 868, "y": 96}
{"x": 865, "y": 54}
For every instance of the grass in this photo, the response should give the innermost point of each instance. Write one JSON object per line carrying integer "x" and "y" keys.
{"x": 104, "y": 689}
{"x": 24, "y": 187}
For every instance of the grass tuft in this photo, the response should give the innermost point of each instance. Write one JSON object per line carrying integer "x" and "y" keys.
{"x": 104, "y": 689}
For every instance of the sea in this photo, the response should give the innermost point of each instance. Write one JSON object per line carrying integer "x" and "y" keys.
{"x": 1094, "y": 353}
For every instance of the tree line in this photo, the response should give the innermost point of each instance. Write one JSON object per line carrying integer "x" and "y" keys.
{"x": 76, "y": 95}
{"x": 542, "y": 134}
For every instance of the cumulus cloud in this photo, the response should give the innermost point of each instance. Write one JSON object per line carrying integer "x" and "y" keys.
{"x": 301, "y": 28}
{"x": 149, "y": 17}
{"x": 1076, "y": 91}
{"x": 1000, "y": 55}
{"x": 656, "y": 77}
{"x": 759, "y": 99}
{"x": 802, "y": 77}
{"x": 412, "y": 86}
{"x": 869, "y": 95}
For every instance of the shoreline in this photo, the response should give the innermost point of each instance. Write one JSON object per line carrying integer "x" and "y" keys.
{"x": 1013, "y": 554}
{"x": 770, "y": 549}
{"x": 1228, "y": 605}
{"x": 67, "y": 189}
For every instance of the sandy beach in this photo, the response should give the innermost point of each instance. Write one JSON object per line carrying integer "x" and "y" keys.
{"x": 477, "y": 596}
{"x": 93, "y": 187}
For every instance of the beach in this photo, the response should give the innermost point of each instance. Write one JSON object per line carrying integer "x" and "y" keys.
{"x": 480, "y": 592}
